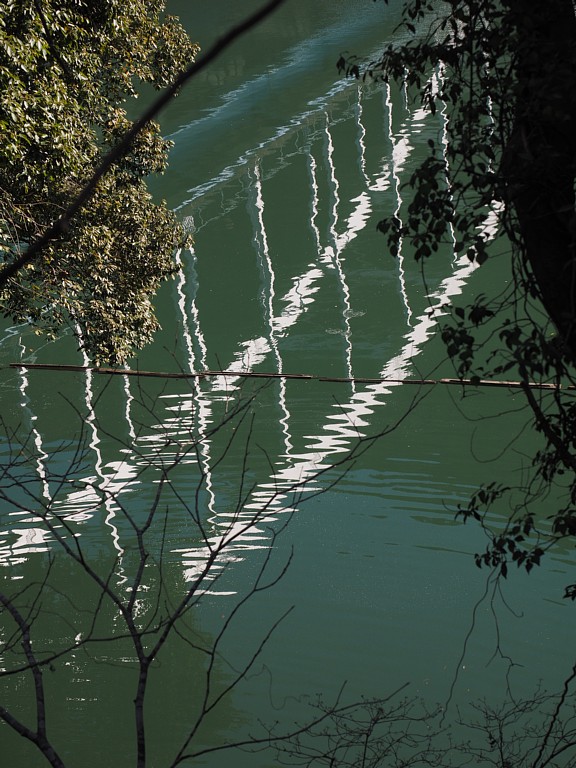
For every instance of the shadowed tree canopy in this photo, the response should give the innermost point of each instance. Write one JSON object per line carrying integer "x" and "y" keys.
{"x": 67, "y": 69}
{"x": 502, "y": 73}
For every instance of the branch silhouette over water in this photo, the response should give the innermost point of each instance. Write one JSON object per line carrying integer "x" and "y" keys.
{"x": 131, "y": 605}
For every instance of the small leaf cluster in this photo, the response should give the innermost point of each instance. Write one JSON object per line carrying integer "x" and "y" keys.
{"x": 508, "y": 548}
{"x": 520, "y": 542}
{"x": 481, "y": 501}
{"x": 460, "y": 345}
{"x": 460, "y": 335}
{"x": 508, "y": 545}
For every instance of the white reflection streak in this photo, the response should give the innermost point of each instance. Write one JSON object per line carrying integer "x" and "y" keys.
{"x": 181, "y": 302}
{"x": 254, "y": 351}
{"x": 297, "y": 299}
{"x": 128, "y": 409}
{"x": 126, "y": 469}
{"x": 335, "y": 188}
{"x": 315, "y": 198}
{"x": 30, "y": 540}
{"x": 79, "y": 506}
{"x": 41, "y": 455}
{"x": 195, "y": 315}
{"x": 203, "y": 409}
{"x": 247, "y": 536}
{"x": 400, "y": 152}
{"x": 268, "y": 277}
{"x": 438, "y": 80}
{"x": 361, "y": 138}
{"x": 351, "y": 416}
{"x": 92, "y": 497}
{"x": 198, "y": 402}
{"x": 347, "y": 424}
{"x": 242, "y": 531}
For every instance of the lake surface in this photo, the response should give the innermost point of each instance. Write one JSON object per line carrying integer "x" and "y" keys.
{"x": 281, "y": 170}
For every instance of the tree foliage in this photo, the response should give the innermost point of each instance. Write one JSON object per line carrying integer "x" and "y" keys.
{"x": 501, "y": 74}
{"x": 67, "y": 70}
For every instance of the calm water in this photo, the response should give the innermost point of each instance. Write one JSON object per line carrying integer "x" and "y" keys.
{"x": 281, "y": 171}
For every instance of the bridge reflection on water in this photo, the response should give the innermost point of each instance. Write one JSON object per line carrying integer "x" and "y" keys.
{"x": 302, "y": 208}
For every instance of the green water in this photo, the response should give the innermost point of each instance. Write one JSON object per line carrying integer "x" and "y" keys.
{"x": 281, "y": 170}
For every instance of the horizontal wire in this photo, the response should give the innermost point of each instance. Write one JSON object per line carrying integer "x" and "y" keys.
{"x": 263, "y": 375}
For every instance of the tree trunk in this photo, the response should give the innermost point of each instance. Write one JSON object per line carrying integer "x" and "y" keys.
{"x": 540, "y": 158}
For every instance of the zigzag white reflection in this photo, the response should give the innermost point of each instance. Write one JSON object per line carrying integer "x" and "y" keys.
{"x": 41, "y": 454}
{"x": 93, "y": 493}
